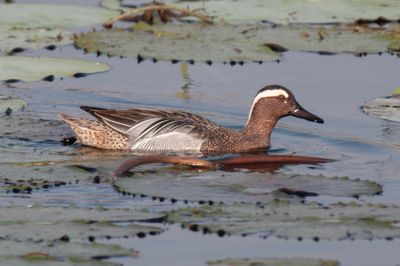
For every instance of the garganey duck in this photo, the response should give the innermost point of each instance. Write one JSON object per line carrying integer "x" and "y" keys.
{"x": 170, "y": 130}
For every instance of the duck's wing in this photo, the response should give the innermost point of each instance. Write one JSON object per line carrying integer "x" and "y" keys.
{"x": 158, "y": 129}
{"x": 133, "y": 120}
{"x": 167, "y": 134}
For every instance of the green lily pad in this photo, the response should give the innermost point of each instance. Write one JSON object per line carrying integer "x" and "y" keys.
{"x": 28, "y": 140}
{"x": 33, "y": 26}
{"x": 273, "y": 262}
{"x": 330, "y": 40}
{"x": 175, "y": 42}
{"x": 384, "y": 108}
{"x": 37, "y": 68}
{"x": 394, "y": 45}
{"x": 11, "y": 103}
{"x": 33, "y": 157}
{"x": 33, "y": 176}
{"x": 283, "y": 219}
{"x": 78, "y": 224}
{"x": 309, "y": 11}
{"x": 59, "y": 253}
{"x": 16, "y": 39}
{"x": 29, "y": 16}
{"x": 226, "y": 43}
{"x": 27, "y": 186}
{"x": 238, "y": 187}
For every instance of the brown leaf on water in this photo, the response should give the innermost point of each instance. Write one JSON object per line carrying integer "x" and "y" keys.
{"x": 151, "y": 13}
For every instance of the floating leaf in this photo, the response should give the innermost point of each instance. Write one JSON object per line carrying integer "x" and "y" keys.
{"x": 394, "y": 45}
{"x": 78, "y": 224}
{"x": 273, "y": 262}
{"x": 325, "y": 40}
{"x": 8, "y": 103}
{"x": 27, "y": 186}
{"x": 227, "y": 43}
{"x": 29, "y": 16}
{"x": 306, "y": 11}
{"x": 33, "y": 157}
{"x": 37, "y": 68}
{"x": 176, "y": 42}
{"x": 33, "y": 26}
{"x": 385, "y": 108}
{"x": 238, "y": 187}
{"x": 59, "y": 253}
{"x": 283, "y": 219}
{"x": 26, "y": 139}
{"x": 15, "y": 40}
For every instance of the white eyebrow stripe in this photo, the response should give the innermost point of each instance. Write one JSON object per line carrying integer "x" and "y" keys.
{"x": 264, "y": 94}
{"x": 271, "y": 93}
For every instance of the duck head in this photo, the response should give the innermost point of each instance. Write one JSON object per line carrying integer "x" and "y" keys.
{"x": 274, "y": 102}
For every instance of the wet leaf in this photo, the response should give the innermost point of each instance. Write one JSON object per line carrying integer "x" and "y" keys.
{"x": 27, "y": 186}
{"x": 228, "y": 43}
{"x": 36, "y": 68}
{"x": 384, "y": 108}
{"x": 283, "y": 219}
{"x": 33, "y": 26}
{"x": 33, "y": 157}
{"x": 394, "y": 45}
{"x": 78, "y": 224}
{"x": 307, "y": 11}
{"x": 238, "y": 186}
{"x": 31, "y": 141}
{"x": 273, "y": 262}
{"x": 59, "y": 253}
{"x": 11, "y": 103}
{"x": 29, "y": 16}
{"x": 176, "y": 42}
{"x": 12, "y": 40}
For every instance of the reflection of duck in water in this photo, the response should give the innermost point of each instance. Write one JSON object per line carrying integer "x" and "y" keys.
{"x": 170, "y": 130}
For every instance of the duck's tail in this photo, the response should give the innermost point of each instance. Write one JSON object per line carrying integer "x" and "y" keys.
{"x": 94, "y": 133}
{"x": 88, "y": 132}
{"x": 77, "y": 122}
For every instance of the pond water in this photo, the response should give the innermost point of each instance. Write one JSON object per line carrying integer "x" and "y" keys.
{"x": 333, "y": 87}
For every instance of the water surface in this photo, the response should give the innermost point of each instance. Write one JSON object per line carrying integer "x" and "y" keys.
{"x": 333, "y": 87}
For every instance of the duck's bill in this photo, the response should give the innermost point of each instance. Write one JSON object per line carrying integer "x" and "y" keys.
{"x": 300, "y": 112}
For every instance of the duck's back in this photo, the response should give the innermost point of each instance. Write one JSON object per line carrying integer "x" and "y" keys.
{"x": 145, "y": 129}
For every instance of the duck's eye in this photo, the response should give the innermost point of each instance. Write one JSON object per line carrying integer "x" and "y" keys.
{"x": 283, "y": 98}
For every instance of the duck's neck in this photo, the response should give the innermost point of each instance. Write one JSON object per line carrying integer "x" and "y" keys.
{"x": 260, "y": 126}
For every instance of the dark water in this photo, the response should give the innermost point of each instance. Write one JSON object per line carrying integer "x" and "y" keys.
{"x": 333, "y": 87}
